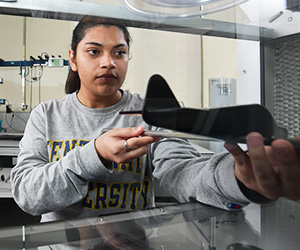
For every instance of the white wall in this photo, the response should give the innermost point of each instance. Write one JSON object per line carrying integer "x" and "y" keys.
{"x": 18, "y": 41}
{"x": 220, "y": 61}
{"x": 175, "y": 56}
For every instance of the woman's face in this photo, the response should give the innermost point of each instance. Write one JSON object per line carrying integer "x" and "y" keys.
{"x": 101, "y": 61}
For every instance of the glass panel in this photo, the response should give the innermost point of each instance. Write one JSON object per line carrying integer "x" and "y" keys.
{"x": 12, "y": 238}
{"x": 241, "y": 27}
{"x": 224, "y": 18}
{"x": 182, "y": 226}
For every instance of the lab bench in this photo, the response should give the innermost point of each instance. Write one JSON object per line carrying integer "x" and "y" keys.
{"x": 11, "y": 214}
{"x": 9, "y": 150}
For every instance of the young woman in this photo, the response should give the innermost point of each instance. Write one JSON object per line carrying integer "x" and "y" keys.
{"x": 68, "y": 168}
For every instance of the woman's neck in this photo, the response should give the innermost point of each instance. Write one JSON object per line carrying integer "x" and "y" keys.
{"x": 99, "y": 101}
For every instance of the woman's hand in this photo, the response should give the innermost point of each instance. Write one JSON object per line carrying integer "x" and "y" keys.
{"x": 111, "y": 145}
{"x": 273, "y": 171}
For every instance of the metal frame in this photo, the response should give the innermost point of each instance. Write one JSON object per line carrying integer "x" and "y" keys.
{"x": 269, "y": 72}
{"x": 75, "y": 11}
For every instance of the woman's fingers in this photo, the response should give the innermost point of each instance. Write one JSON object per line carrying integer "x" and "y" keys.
{"x": 273, "y": 171}
{"x": 288, "y": 165}
{"x": 122, "y": 145}
{"x": 265, "y": 176}
{"x": 126, "y": 132}
{"x": 243, "y": 169}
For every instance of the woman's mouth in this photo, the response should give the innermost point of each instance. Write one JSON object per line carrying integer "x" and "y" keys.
{"x": 107, "y": 76}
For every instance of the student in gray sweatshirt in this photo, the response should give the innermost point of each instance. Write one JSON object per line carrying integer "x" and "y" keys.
{"x": 68, "y": 168}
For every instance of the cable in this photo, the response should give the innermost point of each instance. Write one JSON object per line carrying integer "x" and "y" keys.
{"x": 23, "y": 120}
{"x": 13, "y": 115}
{"x": 9, "y": 124}
{"x": 40, "y": 89}
{"x": 35, "y": 78}
{"x": 31, "y": 92}
{"x": 46, "y": 56}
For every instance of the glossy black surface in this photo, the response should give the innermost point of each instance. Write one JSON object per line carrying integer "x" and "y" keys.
{"x": 230, "y": 123}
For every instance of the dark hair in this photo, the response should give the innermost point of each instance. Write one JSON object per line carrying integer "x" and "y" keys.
{"x": 73, "y": 80}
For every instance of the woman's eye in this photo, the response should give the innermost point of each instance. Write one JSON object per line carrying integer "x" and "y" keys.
{"x": 93, "y": 51}
{"x": 120, "y": 52}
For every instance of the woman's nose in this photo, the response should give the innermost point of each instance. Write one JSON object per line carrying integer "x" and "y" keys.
{"x": 107, "y": 61}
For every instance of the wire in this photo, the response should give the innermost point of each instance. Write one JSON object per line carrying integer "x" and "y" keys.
{"x": 22, "y": 119}
{"x": 40, "y": 90}
{"x": 13, "y": 115}
{"x": 35, "y": 79}
{"x": 46, "y": 56}
{"x": 9, "y": 123}
{"x": 41, "y": 70}
{"x": 25, "y": 74}
{"x": 31, "y": 92}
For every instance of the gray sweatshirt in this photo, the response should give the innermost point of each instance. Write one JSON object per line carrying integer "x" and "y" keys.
{"x": 60, "y": 176}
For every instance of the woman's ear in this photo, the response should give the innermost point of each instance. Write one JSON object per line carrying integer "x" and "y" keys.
{"x": 72, "y": 60}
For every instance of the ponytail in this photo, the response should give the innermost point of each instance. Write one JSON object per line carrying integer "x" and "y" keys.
{"x": 72, "y": 82}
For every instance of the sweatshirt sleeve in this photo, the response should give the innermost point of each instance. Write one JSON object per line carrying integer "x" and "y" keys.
{"x": 185, "y": 174}
{"x": 40, "y": 186}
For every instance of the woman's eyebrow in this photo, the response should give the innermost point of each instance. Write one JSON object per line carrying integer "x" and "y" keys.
{"x": 100, "y": 45}
{"x": 94, "y": 43}
{"x": 121, "y": 45}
